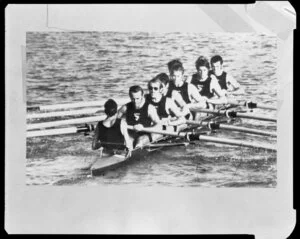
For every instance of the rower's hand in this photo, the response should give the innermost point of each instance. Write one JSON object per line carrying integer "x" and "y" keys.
{"x": 213, "y": 77}
{"x": 168, "y": 122}
{"x": 138, "y": 127}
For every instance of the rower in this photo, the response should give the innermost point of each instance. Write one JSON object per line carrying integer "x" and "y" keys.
{"x": 164, "y": 79}
{"x": 167, "y": 111}
{"x": 175, "y": 96}
{"x": 108, "y": 136}
{"x": 188, "y": 92}
{"x": 140, "y": 115}
{"x": 207, "y": 84}
{"x": 227, "y": 82}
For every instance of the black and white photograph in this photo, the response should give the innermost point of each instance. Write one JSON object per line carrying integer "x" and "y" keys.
{"x": 149, "y": 119}
{"x": 144, "y": 108}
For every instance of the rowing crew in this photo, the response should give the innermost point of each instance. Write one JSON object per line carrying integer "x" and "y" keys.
{"x": 166, "y": 106}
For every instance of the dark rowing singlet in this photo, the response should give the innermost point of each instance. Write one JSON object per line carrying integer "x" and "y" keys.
{"x": 160, "y": 106}
{"x": 138, "y": 116}
{"x": 183, "y": 90}
{"x": 170, "y": 89}
{"x": 110, "y": 135}
{"x": 222, "y": 80}
{"x": 202, "y": 86}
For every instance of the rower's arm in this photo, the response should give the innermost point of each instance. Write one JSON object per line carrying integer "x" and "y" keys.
{"x": 96, "y": 144}
{"x": 124, "y": 131}
{"x": 179, "y": 114}
{"x": 152, "y": 113}
{"x": 216, "y": 89}
{"x": 233, "y": 85}
{"x": 178, "y": 99}
{"x": 195, "y": 95}
{"x": 180, "y": 102}
{"x": 188, "y": 79}
{"x": 122, "y": 112}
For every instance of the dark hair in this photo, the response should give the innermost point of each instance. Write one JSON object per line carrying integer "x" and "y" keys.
{"x": 171, "y": 63}
{"x": 177, "y": 67}
{"x": 110, "y": 107}
{"x": 215, "y": 59}
{"x": 155, "y": 80}
{"x": 202, "y": 61}
{"x": 163, "y": 77}
{"x": 135, "y": 89}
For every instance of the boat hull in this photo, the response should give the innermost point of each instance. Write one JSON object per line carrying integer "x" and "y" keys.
{"x": 111, "y": 162}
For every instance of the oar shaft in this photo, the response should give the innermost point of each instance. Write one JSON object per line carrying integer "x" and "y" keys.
{"x": 65, "y": 122}
{"x": 48, "y": 132}
{"x": 75, "y": 105}
{"x": 63, "y": 113}
{"x": 246, "y": 130}
{"x": 256, "y": 117}
{"x": 235, "y": 142}
{"x": 231, "y": 127}
{"x": 251, "y": 105}
{"x": 235, "y": 114}
{"x": 157, "y": 131}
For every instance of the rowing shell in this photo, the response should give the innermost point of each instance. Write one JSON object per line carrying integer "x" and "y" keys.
{"x": 110, "y": 162}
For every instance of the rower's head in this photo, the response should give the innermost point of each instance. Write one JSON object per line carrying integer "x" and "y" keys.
{"x": 202, "y": 66}
{"x": 177, "y": 76}
{"x": 155, "y": 87}
{"x": 164, "y": 78}
{"x": 136, "y": 95}
{"x": 171, "y": 63}
{"x": 110, "y": 107}
{"x": 217, "y": 65}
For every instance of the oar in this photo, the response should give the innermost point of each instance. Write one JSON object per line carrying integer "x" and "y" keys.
{"x": 234, "y": 114}
{"x": 193, "y": 136}
{"x": 69, "y": 130}
{"x": 214, "y": 125}
{"x": 64, "y": 113}
{"x": 74, "y": 105}
{"x": 250, "y": 104}
{"x": 65, "y": 122}
{"x": 160, "y": 145}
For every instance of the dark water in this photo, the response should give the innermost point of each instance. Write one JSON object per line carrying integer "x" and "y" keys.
{"x": 85, "y": 66}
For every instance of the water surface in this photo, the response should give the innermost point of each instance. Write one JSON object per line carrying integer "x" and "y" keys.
{"x": 65, "y": 67}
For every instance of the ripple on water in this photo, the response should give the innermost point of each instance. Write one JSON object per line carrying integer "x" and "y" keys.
{"x": 71, "y": 67}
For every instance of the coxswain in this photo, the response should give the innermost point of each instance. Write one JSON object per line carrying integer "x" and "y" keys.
{"x": 138, "y": 114}
{"x": 227, "y": 82}
{"x": 108, "y": 136}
